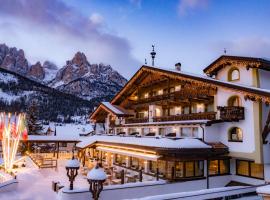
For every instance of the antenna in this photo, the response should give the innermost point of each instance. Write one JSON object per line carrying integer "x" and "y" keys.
{"x": 225, "y": 51}
{"x": 153, "y": 55}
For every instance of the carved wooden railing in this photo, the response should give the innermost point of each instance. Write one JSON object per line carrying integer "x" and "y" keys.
{"x": 231, "y": 113}
{"x": 193, "y": 116}
{"x": 177, "y": 95}
{"x": 136, "y": 120}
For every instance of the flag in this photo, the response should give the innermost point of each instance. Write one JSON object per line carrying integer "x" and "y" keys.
{"x": 25, "y": 134}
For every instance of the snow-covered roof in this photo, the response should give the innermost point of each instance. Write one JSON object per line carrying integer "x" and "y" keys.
{"x": 113, "y": 108}
{"x": 145, "y": 141}
{"x": 263, "y": 190}
{"x": 65, "y": 132}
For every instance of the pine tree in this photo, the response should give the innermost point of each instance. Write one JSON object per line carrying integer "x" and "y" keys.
{"x": 34, "y": 126}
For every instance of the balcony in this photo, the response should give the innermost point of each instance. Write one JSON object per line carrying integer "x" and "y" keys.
{"x": 177, "y": 95}
{"x": 192, "y": 116}
{"x": 231, "y": 113}
{"x": 136, "y": 120}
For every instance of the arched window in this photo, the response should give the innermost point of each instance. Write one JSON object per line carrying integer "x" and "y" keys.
{"x": 235, "y": 135}
{"x": 233, "y": 74}
{"x": 234, "y": 101}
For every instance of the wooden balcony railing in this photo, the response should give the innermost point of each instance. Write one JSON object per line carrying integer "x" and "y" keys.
{"x": 231, "y": 113}
{"x": 182, "y": 94}
{"x": 193, "y": 116}
{"x": 136, "y": 120}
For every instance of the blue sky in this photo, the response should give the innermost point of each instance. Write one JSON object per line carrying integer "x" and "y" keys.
{"x": 120, "y": 33}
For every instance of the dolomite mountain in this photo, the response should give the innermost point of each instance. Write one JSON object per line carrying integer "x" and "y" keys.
{"x": 78, "y": 77}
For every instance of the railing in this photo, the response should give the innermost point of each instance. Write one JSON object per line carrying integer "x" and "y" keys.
{"x": 231, "y": 113}
{"x": 193, "y": 116}
{"x": 182, "y": 94}
{"x": 136, "y": 120}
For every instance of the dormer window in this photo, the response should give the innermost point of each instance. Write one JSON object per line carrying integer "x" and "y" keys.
{"x": 233, "y": 74}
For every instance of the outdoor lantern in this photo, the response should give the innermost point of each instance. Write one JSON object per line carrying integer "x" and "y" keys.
{"x": 96, "y": 177}
{"x": 72, "y": 167}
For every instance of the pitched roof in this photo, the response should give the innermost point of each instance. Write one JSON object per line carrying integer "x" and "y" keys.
{"x": 262, "y": 94}
{"x": 226, "y": 60}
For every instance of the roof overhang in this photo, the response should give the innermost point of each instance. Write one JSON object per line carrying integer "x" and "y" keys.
{"x": 109, "y": 108}
{"x": 249, "y": 62}
{"x": 252, "y": 93}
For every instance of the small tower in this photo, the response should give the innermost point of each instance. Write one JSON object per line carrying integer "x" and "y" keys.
{"x": 153, "y": 55}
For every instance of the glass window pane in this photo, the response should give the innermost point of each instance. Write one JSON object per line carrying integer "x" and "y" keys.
{"x": 224, "y": 166}
{"x": 256, "y": 170}
{"x": 189, "y": 169}
{"x": 199, "y": 168}
{"x": 179, "y": 169}
{"x": 242, "y": 168}
{"x": 213, "y": 167}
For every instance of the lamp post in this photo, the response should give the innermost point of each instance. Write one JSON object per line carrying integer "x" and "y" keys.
{"x": 72, "y": 168}
{"x": 96, "y": 177}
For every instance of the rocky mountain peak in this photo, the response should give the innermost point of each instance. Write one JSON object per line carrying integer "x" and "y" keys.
{"x": 36, "y": 71}
{"x": 13, "y": 59}
{"x": 79, "y": 59}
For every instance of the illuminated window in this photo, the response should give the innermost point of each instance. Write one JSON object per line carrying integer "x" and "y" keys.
{"x": 219, "y": 167}
{"x": 234, "y": 101}
{"x": 160, "y": 92}
{"x": 233, "y": 74}
{"x": 146, "y": 95}
{"x": 178, "y": 88}
{"x": 249, "y": 168}
{"x": 235, "y": 135}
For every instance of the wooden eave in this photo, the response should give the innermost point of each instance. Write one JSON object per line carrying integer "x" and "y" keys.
{"x": 171, "y": 152}
{"x": 250, "y": 93}
{"x": 103, "y": 107}
{"x": 224, "y": 60}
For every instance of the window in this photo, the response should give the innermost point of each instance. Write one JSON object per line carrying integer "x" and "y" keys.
{"x": 234, "y": 101}
{"x": 219, "y": 167}
{"x": 249, "y": 168}
{"x": 233, "y": 74}
{"x": 188, "y": 169}
{"x": 235, "y": 135}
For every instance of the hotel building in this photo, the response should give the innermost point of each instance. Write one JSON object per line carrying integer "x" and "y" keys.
{"x": 182, "y": 126}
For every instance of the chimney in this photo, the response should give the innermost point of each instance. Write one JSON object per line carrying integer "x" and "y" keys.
{"x": 178, "y": 66}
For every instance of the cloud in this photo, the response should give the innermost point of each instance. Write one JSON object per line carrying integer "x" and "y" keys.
{"x": 96, "y": 18}
{"x": 250, "y": 46}
{"x": 186, "y": 7}
{"x": 52, "y": 30}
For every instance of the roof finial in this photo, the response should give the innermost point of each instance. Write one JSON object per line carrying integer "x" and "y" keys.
{"x": 225, "y": 51}
{"x": 145, "y": 61}
{"x": 153, "y": 55}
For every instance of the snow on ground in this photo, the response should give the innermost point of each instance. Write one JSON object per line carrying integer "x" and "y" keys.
{"x": 12, "y": 97}
{"x": 36, "y": 184}
{"x": 6, "y": 78}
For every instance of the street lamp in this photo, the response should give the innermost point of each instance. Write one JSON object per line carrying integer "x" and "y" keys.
{"x": 72, "y": 167}
{"x": 96, "y": 177}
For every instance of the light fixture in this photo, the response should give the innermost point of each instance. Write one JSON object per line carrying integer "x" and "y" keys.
{"x": 96, "y": 177}
{"x": 72, "y": 168}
